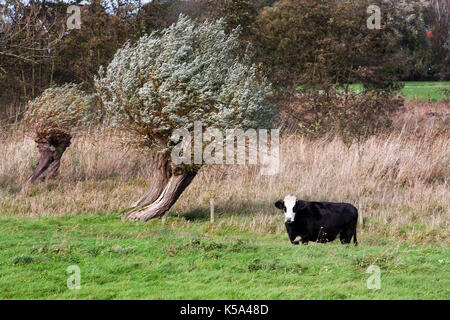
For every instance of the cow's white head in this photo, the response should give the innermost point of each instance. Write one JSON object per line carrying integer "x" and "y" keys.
{"x": 287, "y": 205}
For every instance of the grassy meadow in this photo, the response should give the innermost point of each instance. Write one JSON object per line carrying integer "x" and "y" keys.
{"x": 398, "y": 181}
{"x": 426, "y": 90}
{"x": 420, "y": 90}
{"x": 191, "y": 259}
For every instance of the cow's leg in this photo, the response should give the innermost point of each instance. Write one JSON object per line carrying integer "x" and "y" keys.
{"x": 347, "y": 234}
{"x": 345, "y": 239}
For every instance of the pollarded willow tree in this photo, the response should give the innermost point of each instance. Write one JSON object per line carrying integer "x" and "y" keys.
{"x": 170, "y": 79}
{"x": 50, "y": 120}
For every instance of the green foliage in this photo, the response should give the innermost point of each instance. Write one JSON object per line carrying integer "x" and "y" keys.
{"x": 160, "y": 14}
{"x": 323, "y": 43}
{"x": 416, "y": 49}
{"x": 413, "y": 47}
{"x": 185, "y": 73}
{"x": 236, "y": 13}
{"x": 58, "y": 111}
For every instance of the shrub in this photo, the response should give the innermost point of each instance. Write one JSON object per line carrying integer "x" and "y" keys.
{"x": 50, "y": 120}
{"x": 353, "y": 116}
{"x": 57, "y": 112}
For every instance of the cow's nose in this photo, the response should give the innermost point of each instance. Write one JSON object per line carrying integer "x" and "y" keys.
{"x": 289, "y": 220}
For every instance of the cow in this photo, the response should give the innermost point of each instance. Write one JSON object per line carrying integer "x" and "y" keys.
{"x": 318, "y": 221}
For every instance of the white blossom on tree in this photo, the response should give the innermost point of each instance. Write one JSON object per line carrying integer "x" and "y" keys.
{"x": 184, "y": 74}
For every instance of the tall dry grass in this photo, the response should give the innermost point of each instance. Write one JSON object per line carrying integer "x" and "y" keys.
{"x": 399, "y": 181}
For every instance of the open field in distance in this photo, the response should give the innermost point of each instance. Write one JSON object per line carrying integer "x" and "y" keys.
{"x": 421, "y": 90}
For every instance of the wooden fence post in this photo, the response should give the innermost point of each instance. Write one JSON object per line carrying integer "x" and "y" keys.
{"x": 211, "y": 210}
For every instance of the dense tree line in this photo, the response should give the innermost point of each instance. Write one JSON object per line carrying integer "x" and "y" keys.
{"x": 37, "y": 51}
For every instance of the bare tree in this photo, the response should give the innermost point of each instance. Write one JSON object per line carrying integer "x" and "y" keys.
{"x": 29, "y": 31}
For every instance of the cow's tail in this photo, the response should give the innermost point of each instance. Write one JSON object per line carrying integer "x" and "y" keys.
{"x": 355, "y": 241}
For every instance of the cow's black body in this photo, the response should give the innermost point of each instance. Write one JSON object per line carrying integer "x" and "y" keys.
{"x": 322, "y": 222}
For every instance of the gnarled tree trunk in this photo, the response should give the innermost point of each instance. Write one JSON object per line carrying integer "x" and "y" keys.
{"x": 161, "y": 174}
{"x": 167, "y": 185}
{"x": 51, "y": 151}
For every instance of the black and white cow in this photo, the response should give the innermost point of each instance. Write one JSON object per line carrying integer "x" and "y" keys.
{"x": 318, "y": 221}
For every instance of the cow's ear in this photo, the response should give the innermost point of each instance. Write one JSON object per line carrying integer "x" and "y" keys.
{"x": 279, "y": 204}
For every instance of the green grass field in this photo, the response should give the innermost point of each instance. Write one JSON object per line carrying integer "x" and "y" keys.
{"x": 420, "y": 90}
{"x": 424, "y": 91}
{"x": 193, "y": 260}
